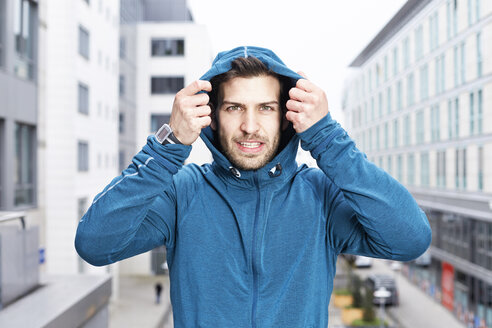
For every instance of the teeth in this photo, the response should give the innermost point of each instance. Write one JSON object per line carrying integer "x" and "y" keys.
{"x": 250, "y": 144}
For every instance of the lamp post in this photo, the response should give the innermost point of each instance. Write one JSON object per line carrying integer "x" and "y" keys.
{"x": 381, "y": 294}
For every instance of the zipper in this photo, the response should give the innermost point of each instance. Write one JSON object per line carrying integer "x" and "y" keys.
{"x": 253, "y": 255}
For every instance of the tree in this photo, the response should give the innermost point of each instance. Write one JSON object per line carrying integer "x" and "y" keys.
{"x": 368, "y": 314}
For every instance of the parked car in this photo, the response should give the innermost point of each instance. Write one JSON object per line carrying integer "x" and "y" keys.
{"x": 377, "y": 282}
{"x": 363, "y": 261}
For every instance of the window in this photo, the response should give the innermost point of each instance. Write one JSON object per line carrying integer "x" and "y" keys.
{"x": 167, "y": 47}
{"x": 380, "y": 104}
{"x": 410, "y": 170}
{"x": 378, "y": 75}
{"x": 166, "y": 85}
{"x": 424, "y": 169}
{"x": 399, "y": 171}
{"x": 399, "y": 100}
{"x": 410, "y": 90}
{"x": 424, "y": 82}
{"x": 386, "y": 135}
{"x": 372, "y": 109}
{"x": 83, "y": 42}
{"x": 395, "y": 133}
{"x": 390, "y": 168}
{"x": 479, "y": 54}
{"x": 83, "y": 156}
{"x": 2, "y": 156}
{"x": 460, "y": 168}
{"x": 479, "y": 111}
{"x": 370, "y": 140}
{"x": 463, "y": 63}
{"x": 2, "y": 31}
{"x": 435, "y": 123}
{"x": 441, "y": 169}
{"x": 369, "y": 80}
{"x": 443, "y": 73}
{"x": 470, "y": 13}
{"x": 122, "y": 47}
{"x": 407, "y": 130}
{"x": 24, "y": 31}
{"x": 455, "y": 17}
{"x": 406, "y": 52}
{"x": 433, "y": 31}
{"x": 419, "y": 37}
{"x": 448, "y": 19}
{"x": 24, "y": 165}
{"x": 480, "y": 168}
{"x": 419, "y": 125}
{"x": 388, "y": 100}
{"x": 157, "y": 120}
{"x": 477, "y": 9}
{"x": 122, "y": 85}
{"x": 395, "y": 61}
{"x": 453, "y": 118}
{"x": 121, "y": 126}
{"x": 377, "y": 138}
{"x": 83, "y": 99}
{"x": 456, "y": 66}
{"x": 472, "y": 112}
{"x": 121, "y": 160}
{"x": 439, "y": 76}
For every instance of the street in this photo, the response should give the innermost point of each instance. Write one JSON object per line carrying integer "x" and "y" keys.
{"x": 416, "y": 309}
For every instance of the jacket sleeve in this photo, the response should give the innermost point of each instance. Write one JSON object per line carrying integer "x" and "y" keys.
{"x": 136, "y": 211}
{"x": 368, "y": 212}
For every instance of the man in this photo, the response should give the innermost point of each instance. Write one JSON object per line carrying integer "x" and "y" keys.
{"x": 252, "y": 239}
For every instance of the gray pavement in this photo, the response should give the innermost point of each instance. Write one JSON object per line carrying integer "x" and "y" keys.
{"x": 135, "y": 306}
{"x": 416, "y": 308}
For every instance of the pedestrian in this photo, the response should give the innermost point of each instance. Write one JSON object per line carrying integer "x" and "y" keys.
{"x": 158, "y": 291}
{"x": 252, "y": 238}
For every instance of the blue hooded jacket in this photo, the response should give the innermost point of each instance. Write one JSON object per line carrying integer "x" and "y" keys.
{"x": 254, "y": 248}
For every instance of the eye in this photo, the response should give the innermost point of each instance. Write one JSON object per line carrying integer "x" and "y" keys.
{"x": 266, "y": 108}
{"x": 233, "y": 108}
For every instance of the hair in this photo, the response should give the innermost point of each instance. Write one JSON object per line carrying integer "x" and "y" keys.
{"x": 248, "y": 67}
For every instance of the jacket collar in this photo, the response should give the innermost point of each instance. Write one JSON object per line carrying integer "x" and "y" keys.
{"x": 281, "y": 168}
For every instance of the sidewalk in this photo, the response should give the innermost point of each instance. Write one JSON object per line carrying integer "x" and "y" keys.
{"x": 135, "y": 306}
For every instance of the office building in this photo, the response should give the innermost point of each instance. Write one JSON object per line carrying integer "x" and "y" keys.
{"x": 419, "y": 105}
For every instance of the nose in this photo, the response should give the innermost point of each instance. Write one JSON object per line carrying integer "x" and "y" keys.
{"x": 249, "y": 124}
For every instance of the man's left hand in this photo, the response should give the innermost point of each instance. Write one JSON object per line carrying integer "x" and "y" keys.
{"x": 307, "y": 105}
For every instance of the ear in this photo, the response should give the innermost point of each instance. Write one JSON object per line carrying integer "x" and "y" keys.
{"x": 213, "y": 123}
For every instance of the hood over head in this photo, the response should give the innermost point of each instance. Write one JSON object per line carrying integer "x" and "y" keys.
{"x": 289, "y": 143}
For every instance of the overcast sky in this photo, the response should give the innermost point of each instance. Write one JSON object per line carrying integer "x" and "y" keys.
{"x": 319, "y": 37}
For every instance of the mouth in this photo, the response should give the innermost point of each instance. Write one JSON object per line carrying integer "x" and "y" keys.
{"x": 252, "y": 146}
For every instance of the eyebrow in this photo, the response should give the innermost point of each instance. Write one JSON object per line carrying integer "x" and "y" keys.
{"x": 272, "y": 102}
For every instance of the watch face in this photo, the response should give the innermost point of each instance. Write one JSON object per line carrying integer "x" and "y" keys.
{"x": 163, "y": 133}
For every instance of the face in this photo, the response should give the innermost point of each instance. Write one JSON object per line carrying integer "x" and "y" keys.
{"x": 249, "y": 120}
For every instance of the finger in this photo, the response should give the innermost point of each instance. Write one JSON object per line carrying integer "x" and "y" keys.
{"x": 202, "y": 111}
{"x": 292, "y": 117}
{"x": 195, "y": 87}
{"x": 294, "y": 105}
{"x": 305, "y": 85}
{"x": 204, "y": 121}
{"x": 299, "y": 94}
{"x": 301, "y": 73}
{"x": 199, "y": 99}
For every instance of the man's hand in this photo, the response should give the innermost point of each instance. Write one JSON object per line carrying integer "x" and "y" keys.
{"x": 307, "y": 105}
{"x": 191, "y": 112}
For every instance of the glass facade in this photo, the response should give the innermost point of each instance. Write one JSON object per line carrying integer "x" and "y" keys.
{"x": 25, "y": 140}
{"x": 25, "y": 34}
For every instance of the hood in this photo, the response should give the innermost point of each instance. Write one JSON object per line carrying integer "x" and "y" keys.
{"x": 284, "y": 162}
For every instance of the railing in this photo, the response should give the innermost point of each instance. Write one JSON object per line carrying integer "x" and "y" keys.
{"x": 10, "y": 216}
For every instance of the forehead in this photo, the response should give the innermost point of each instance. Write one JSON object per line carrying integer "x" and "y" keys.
{"x": 256, "y": 89}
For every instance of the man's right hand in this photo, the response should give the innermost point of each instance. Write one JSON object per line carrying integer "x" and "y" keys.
{"x": 191, "y": 112}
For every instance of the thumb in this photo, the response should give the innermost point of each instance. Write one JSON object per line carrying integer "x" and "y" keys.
{"x": 301, "y": 73}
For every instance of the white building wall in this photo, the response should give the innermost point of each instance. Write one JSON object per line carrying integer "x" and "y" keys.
{"x": 64, "y": 126}
{"x": 195, "y": 62}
